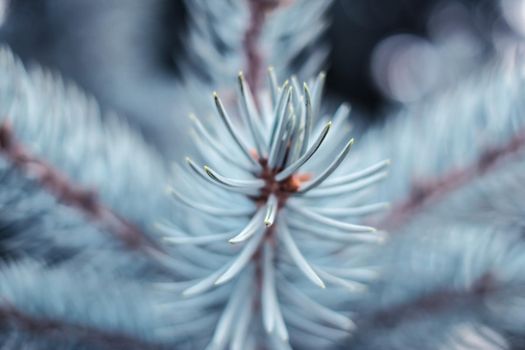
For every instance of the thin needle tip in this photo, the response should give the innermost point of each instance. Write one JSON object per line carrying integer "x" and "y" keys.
{"x": 209, "y": 172}
{"x": 220, "y": 280}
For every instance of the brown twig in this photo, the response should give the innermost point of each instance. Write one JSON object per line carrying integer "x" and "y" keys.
{"x": 254, "y": 55}
{"x": 433, "y": 302}
{"x": 68, "y": 192}
{"x": 61, "y": 330}
{"x": 427, "y": 192}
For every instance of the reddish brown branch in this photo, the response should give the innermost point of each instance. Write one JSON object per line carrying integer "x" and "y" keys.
{"x": 60, "y": 330}
{"x": 430, "y": 191}
{"x": 68, "y": 192}
{"x": 431, "y": 303}
{"x": 254, "y": 55}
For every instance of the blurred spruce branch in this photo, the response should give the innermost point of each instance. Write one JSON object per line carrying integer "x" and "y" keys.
{"x": 61, "y": 331}
{"x": 425, "y": 192}
{"x": 66, "y": 192}
{"x": 253, "y": 52}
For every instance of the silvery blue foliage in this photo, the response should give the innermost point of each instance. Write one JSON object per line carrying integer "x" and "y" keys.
{"x": 70, "y": 134}
{"x": 441, "y": 281}
{"x": 267, "y": 242}
{"x": 455, "y": 266}
{"x": 215, "y": 41}
{"x": 50, "y": 294}
{"x": 67, "y": 135}
{"x": 247, "y": 246}
{"x": 215, "y": 47}
{"x": 486, "y": 116}
{"x": 33, "y": 222}
{"x": 298, "y": 49}
{"x": 37, "y": 224}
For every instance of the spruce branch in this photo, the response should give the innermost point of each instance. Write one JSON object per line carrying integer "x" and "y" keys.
{"x": 299, "y": 49}
{"x": 34, "y": 224}
{"x": 476, "y": 157}
{"x": 440, "y": 280}
{"x": 436, "y": 320}
{"x": 255, "y": 61}
{"x": 269, "y": 239}
{"x": 246, "y": 249}
{"x": 441, "y": 150}
{"x": 54, "y": 146}
{"x": 60, "y": 332}
{"x": 67, "y": 192}
{"x": 435, "y": 301}
{"x": 61, "y": 125}
{"x": 43, "y": 303}
{"x": 255, "y": 34}
{"x": 426, "y": 192}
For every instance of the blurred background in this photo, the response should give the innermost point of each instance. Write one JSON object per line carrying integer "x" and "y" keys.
{"x": 385, "y": 53}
